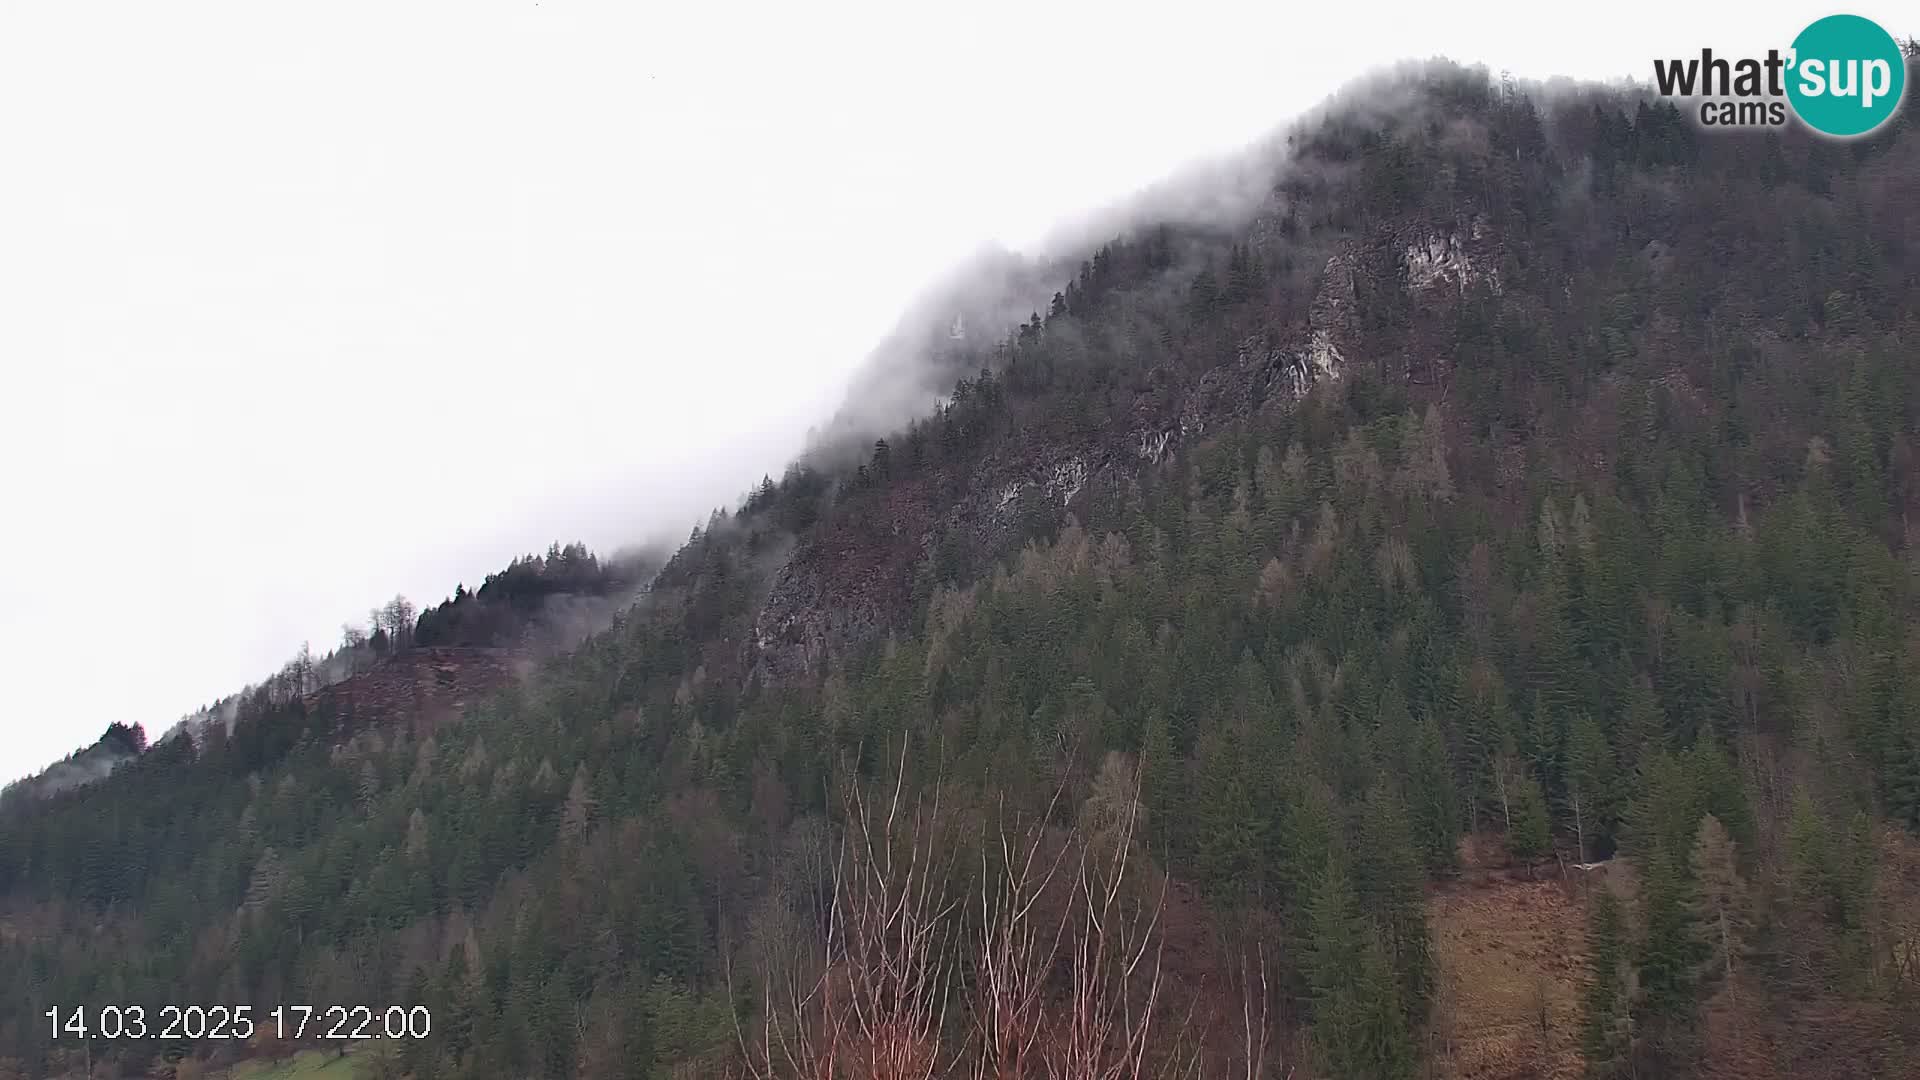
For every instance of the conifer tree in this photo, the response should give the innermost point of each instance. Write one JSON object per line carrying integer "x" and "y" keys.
{"x": 579, "y": 808}
{"x": 1831, "y": 872}
{"x": 1606, "y": 997}
{"x": 1303, "y": 843}
{"x": 1529, "y": 837}
{"x": 1593, "y": 784}
{"x": 1227, "y": 827}
{"x": 1388, "y": 878}
{"x": 1717, "y": 790}
{"x": 1900, "y": 744}
{"x": 1432, "y": 801}
{"x": 1671, "y": 952}
{"x": 1359, "y": 1025}
{"x": 1723, "y": 901}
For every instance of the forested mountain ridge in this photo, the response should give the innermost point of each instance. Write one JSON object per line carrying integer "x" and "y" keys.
{"x": 400, "y": 666}
{"x": 119, "y": 744}
{"x": 1527, "y": 472}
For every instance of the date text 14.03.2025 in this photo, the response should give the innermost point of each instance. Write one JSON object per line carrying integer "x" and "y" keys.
{"x": 196, "y": 1022}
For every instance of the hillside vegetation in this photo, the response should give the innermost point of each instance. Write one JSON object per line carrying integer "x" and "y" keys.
{"x": 1529, "y": 481}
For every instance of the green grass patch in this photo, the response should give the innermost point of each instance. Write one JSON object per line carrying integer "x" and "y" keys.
{"x": 306, "y": 1065}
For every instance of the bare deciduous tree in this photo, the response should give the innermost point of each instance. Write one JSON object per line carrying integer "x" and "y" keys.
{"x": 874, "y": 1007}
{"x": 1113, "y": 991}
{"x": 1064, "y": 962}
{"x": 1016, "y": 953}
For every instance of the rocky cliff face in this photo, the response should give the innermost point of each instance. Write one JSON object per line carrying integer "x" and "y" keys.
{"x": 854, "y": 582}
{"x": 419, "y": 688}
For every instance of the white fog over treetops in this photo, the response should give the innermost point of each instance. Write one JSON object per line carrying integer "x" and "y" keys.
{"x": 299, "y": 309}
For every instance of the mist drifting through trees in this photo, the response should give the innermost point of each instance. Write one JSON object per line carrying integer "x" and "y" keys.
{"x": 1451, "y": 524}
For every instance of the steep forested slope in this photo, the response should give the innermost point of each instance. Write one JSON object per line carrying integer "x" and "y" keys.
{"x": 1537, "y": 470}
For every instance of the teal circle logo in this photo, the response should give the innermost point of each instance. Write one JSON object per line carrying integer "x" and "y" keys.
{"x": 1847, "y": 75}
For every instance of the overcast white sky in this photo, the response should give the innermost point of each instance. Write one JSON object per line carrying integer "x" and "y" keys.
{"x": 305, "y": 304}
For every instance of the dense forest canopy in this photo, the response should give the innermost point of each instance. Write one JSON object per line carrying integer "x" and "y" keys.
{"x": 1528, "y": 473}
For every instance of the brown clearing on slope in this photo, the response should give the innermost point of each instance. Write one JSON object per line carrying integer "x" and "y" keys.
{"x": 1510, "y": 955}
